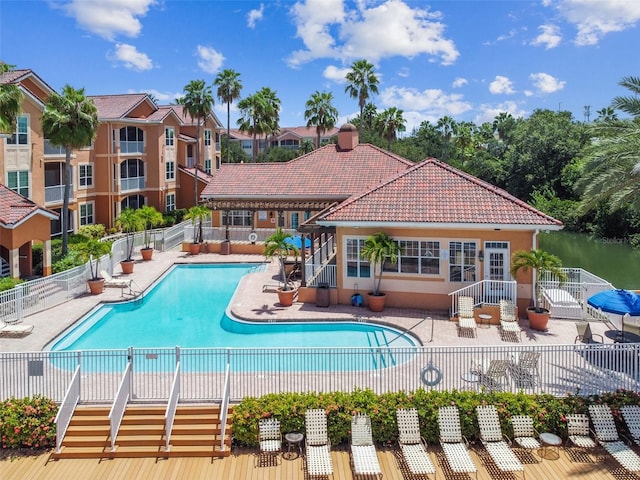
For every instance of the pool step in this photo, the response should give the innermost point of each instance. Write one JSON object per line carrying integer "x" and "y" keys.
{"x": 196, "y": 433}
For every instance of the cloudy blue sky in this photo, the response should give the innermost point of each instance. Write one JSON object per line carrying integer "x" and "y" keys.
{"x": 467, "y": 59}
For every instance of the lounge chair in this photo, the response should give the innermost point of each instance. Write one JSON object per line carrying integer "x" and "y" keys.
{"x": 270, "y": 439}
{"x": 112, "y": 282}
{"x": 524, "y": 369}
{"x": 631, "y": 415}
{"x": 363, "y": 453}
{"x": 578, "y": 432}
{"x": 15, "y": 330}
{"x": 454, "y": 445}
{"x": 466, "y": 317}
{"x": 524, "y": 434}
{"x": 607, "y": 436}
{"x": 509, "y": 327}
{"x": 495, "y": 442}
{"x": 318, "y": 446}
{"x": 412, "y": 445}
{"x": 584, "y": 333}
{"x": 495, "y": 377}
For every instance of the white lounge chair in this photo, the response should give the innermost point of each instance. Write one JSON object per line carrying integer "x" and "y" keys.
{"x": 412, "y": 445}
{"x": 631, "y": 415}
{"x": 578, "y": 432}
{"x": 363, "y": 452}
{"x": 454, "y": 445}
{"x": 524, "y": 434}
{"x": 466, "y": 317}
{"x": 509, "y": 327}
{"x": 317, "y": 443}
{"x": 494, "y": 440}
{"x": 112, "y": 282}
{"x": 15, "y": 330}
{"x": 607, "y": 436}
{"x": 270, "y": 439}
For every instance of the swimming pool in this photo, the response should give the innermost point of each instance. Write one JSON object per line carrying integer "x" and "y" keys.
{"x": 187, "y": 307}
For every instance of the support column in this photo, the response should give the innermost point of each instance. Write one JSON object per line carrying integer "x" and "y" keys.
{"x": 46, "y": 258}
{"x": 14, "y": 262}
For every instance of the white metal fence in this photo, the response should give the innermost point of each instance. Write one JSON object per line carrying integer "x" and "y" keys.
{"x": 561, "y": 369}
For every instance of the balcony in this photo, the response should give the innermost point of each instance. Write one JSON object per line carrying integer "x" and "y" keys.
{"x": 131, "y": 147}
{"x": 50, "y": 149}
{"x": 55, "y": 193}
{"x": 131, "y": 183}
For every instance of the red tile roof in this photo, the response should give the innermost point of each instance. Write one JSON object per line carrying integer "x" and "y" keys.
{"x": 433, "y": 192}
{"x": 324, "y": 173}
{"x": 116, "y": 106}
{"x": 13, "y": 76}
{"x": 15, "y": 208}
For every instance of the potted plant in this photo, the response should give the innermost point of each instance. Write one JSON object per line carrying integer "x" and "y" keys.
{"x": 150, "y": 218}
{"x": 279, "y": 245}
{"x": 542, "y": 262}
{"x": 197, "y": 214}
{"x": 91, "y": 251}
{"x": 378, "y": 248}
{"x": 129, "y": 222}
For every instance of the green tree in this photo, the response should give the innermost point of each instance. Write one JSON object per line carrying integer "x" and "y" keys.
{"x": 10, "y": 102}
{"x": 70, "y": 121}
{"x": 198, "y": 214}
{"x": 447, "y": 126}
{"x": 198, "y": 105}
{"x": 305, "y": 147}
{"x": 129, "y": 222}
{"x": 362, "y": 82}
{"x": 320, "y": 113}
{"x": 150, "y": 218}
{"x": 389, "y": 122}
{"x": 543, "y": 263}
{"x": 250, "y": 118}
{"x": 278, "y": 245}
{"x": 378, "y": 249}
{"x": 229, "y": 88}
{"x": 270, "y": 113}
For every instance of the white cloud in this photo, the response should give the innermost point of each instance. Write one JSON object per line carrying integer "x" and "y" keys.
{"x": 459, "y": 82}
{"x": 404, "y": 72}
{"x": 546, "y": 83}
{"x": 109, "y": 18}
{"x": 130, "y": 57}
{"x": 254, "y": 16}
{"x": 549, "y": 37}
{"x": 501, "y": 85}
{"x": 488, "y": 112}
{"x": 428, "y": 102}
{"x": 336, "y": 74}
{"x": 210, "y": 60}
{"x": 390, "y": 28}
{"x": 596, "y": 18}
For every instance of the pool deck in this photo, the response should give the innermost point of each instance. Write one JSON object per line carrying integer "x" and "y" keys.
{"x": 252, "y": 303}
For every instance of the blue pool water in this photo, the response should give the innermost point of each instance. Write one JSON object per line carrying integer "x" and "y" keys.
{"x": 187, "y": 309}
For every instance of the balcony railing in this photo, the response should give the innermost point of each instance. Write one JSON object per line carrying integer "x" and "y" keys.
{"x": 50, "y": 149}
{"x": 131, "y": 147}
{"x": 132, "y": 183}
{"x": 55, "y": 193}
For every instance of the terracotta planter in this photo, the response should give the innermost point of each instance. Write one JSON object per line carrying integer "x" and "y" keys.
{"x": 376, "y": 302}
{"x": 96, "y": 286}
{"x": 285, "y": 297}
{"x": 225, "y": 248}
{"x": 127, "y": 266}
{"x": 146, "y": 253}
{"x": 194, "y": 248}
{"x": 538, "y": 321}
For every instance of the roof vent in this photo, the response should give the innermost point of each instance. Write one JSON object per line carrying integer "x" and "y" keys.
{"x": 348, "y": 137}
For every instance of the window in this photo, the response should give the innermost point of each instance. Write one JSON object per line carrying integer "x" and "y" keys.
{"x": 290, "y": 144}
{"x": 132, "y": 168}
{"x": 462, "y": 261}
{"x": 295, "y": 219}
{"x": 21, "y": 135}
{"x": 134, "y": 202}
{"x": 169, "y": 136}
{"x": 19, "y": 182}
{"x": 170, "y": 202}
{"x": 421, "y": 257}
{"x": 169, "y": 171}
{"x": 238, "y": 218}
{"x": 356, "y": 266}
{"x": 85, "y": 172}
{"x": 86, "y": 213}
{"x": 207, "y": 165}
{"x": 207, "y": 138}
{"x": 131, "y": 140}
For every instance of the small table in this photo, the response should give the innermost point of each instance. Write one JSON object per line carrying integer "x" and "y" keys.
{"x": 620, "y": 336}
{"x": 548, "y": 439}
{"x": 470, "y": 377}
{"x": 485, "y": 320}
{"x": 293, "y": 439}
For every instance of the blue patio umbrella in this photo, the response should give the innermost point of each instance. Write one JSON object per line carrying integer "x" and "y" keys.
{"x": 297, "y": 242}
{"x": 619, "y": 302}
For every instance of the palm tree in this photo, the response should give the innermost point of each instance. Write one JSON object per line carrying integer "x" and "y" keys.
{"x": 377, "y": 249}
{"x": 129, "y": 222}
{"x": 150, "y": 218}
{"x": 305, "y": 147}
{"x": 229, "y": 87}
{"x": 540, "y": 261}
{"x": 629, "y": 104}
{"x": 10, "y": 102}
{"x": 270, "y": 113}
{"x": 362, "y": 83}
{"x": 249, "y": 121}
{"x": 279, "y": 245}
{"x": 369, "y": 115}
{"x": 197, "y": 214}
{"x": 198, "y": 105}
{"x": 320, "y": 113}
{"x": 389, "y": 122}
{"x": 69, "y": 120}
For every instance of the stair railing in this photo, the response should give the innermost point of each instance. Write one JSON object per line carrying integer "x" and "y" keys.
{"x": 67, "y": 407}
{"x": 172, "y": 406}
{"x": 119, "y": 405}
{"x": 225, "y": 407}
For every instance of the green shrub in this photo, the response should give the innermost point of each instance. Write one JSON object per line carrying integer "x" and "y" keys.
{"x": 72, "y": 259}
{"x": 96, "y": 231}
{"x": 8, "y": 283}
{"x": 28, "y": 422}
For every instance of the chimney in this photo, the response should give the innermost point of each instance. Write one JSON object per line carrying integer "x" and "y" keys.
{"x": 348, "y": 137}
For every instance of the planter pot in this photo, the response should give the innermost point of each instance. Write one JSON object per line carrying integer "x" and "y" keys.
{"x": 225, "y": 248}
{"x": 194, "y": 248}
{"x": 146, "y": 253}
{"x": 96, "y": 286}
{"x": 538, "y": 320}
{"x": 376, "y": 302}
{"x": 285, "y": 297}
{"x": 127, "y": 266}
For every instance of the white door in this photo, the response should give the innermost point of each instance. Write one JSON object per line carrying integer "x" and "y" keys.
{"x": 496, "y": 267}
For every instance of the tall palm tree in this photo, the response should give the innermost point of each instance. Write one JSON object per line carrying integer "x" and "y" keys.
{"x": 320, "y": 113}
{"x": 369, "y": 115}
{"x": 249, "y": 121}
{"x": 447, "y": 126}
{"x": 198, "y": 105}
{"x": 629, "y": 104}
{"x": 362, "y": 83}
{"x": 69, "y": 120}
{"x": 10, "y": 102}
{"x": 229, "y": 88}
{"x": 389, "y": 122}
{"x": 270, "y": 114}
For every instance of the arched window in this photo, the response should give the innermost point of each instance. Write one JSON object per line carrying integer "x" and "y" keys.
{"x": 131, "y": 140}
{"x": 132, "y": 174}
{"x": 132, "y": 201}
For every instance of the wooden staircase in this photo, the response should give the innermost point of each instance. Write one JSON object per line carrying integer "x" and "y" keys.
{"x": 196, "y": 433}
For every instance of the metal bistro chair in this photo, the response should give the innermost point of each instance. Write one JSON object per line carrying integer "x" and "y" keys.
{"x": 524, "y": 369}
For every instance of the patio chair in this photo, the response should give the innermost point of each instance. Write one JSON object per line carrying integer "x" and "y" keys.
{"x": 496, "y": 375}
{"x": 270, "y": 439}
{"x": 454, "y": 445}
{"x": 412, "y": 445}
{"x": 524, "y": 369}
{"x": 584, "y": 333}
{"x": 112, "y": 282}
{"x": 466, "y": 317}
{"x": 318, "y": 446}
{"x": 578, "y": 432}
{"x": 607, "y": 436}
{"x": 631, "y": 415}
{"x": 509, "y": 327}
{"x": 363, "y": 453}
{"x": 524, "y": 434}
{"x": 495, "y": 442}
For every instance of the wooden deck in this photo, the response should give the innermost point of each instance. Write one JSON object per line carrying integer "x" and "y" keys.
{"x": 242, "y": 465}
